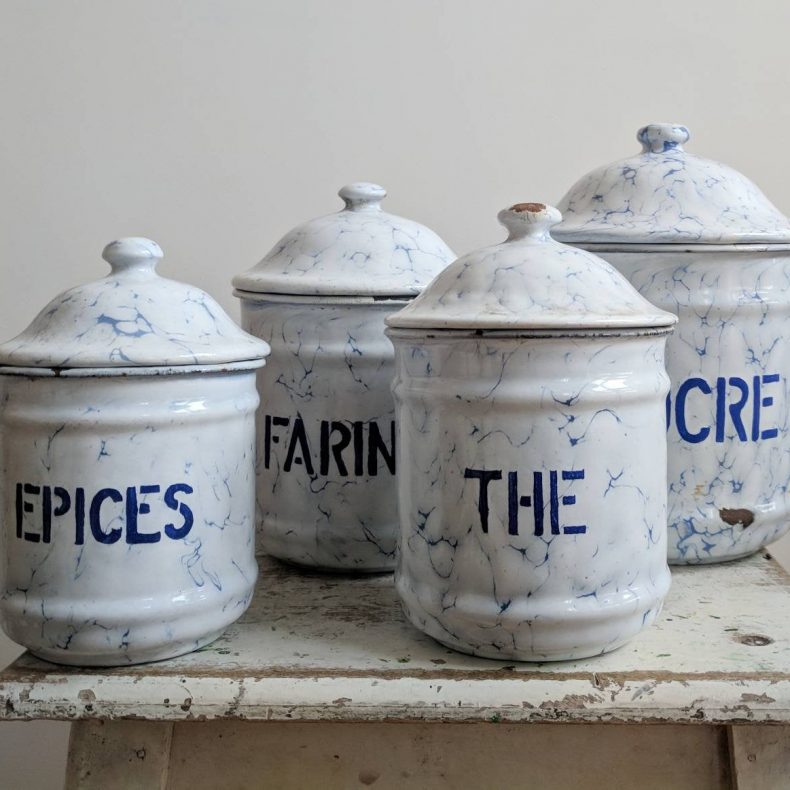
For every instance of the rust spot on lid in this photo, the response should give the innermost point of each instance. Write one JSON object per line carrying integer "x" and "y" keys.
{"x": 736, "y": 516}
{"x": 532, "y": 208}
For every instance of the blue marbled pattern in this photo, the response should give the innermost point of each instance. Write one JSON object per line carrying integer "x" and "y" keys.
{"x": 699, "y": 239}
{"x": 329, "y": 363}
{"x": 530, "y": 388}
{"x": 94, "y": 603}
{"x": 559, "y": 287}
{"x": 360, "y": 251}
{"x": 131, "y": 317}
{"x": 728, "y": 491}
{"x": 531, "y": 405}
{"x": 665, "y": 195}
{"x": 326, "y": 465}
{"x": 127, "y": 462}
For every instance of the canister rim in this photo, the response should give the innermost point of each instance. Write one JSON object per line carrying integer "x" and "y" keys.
{"x": 316, "y": 298}
{"x": 679, "y": 247}
{"x": 425, "y": 333}
{"x": 127, "y": 372}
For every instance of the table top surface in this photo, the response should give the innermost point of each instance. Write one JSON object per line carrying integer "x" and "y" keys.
{"x": 321, "y": 647}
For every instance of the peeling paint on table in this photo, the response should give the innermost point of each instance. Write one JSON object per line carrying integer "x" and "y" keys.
{"x": 318, "y": 647}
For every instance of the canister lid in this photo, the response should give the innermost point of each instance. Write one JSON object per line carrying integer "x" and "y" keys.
{"x": 530, "y": 282}
{"x": 664, "y": 195}
{"x": 358, "y": 251}
{"x": 131, "y": 318}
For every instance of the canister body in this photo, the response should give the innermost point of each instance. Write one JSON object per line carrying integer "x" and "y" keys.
{"x": 532, "y": 489}
{"x": 727, "y": 412}
{"x": 127, "y": 506}
{"x": 326, "y": 494}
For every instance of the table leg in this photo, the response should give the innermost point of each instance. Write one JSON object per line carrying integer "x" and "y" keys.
{"x": 760, "y": 756}
{"x": 130, "y": 755}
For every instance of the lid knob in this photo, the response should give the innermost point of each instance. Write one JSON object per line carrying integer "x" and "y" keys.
{"x": 660, "y": 137}
{"x": 362, "y": 195}
{"x": 132, "y": 254}
{"x": 525, "y": 220}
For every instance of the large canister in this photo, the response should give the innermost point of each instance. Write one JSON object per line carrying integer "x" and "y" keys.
{"x": 697, "y": 238}
{"x": 530, "y": 390}
{"x": 127, "y": 469}
{"x": 326, "y": 430}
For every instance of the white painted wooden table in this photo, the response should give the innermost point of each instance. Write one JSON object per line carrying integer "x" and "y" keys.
{"x": 323, "y": 684}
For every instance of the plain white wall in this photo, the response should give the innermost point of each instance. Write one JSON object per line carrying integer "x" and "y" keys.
{"x": 214, "y": 126}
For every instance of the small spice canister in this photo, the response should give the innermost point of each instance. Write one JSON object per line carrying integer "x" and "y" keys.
{"x": 697, "y": 238}
{"x": 530, "y": 390}
{"x": 127, "y": 463}
{"x": 326, "y": 430}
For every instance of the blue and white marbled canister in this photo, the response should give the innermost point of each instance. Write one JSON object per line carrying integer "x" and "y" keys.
{"x": 699, "y": 239}
{"x": 326, "y": 494}
{"x": 127, "y": 446}
{"x": 127, "y": 506}
{"x": 728, "y": 411}
{"x": 532, "y": 451}
{"x": 326, "y": 467}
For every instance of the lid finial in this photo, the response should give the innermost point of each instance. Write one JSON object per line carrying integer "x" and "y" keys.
{"x": 362, "y": 195}
{"x": 132, "y": 253}
{"x": 525, "y": 220}
{"x": 660, "y": 137}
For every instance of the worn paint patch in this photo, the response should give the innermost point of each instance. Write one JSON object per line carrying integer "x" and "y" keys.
{"x": 737, "y": 516}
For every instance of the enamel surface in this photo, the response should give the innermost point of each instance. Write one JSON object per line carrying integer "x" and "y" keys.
{"x": 326, "y": 432}
{"x": 127, "y": 508}
{"x": 127, "y": 465}
{"x": 700, "y": 240}
{"x": 360, "y": 250}
{"x": 728, "y": 412}
{"x": 532, "y": 451}
{"x": 665, "y": 195}
{"x": 131, "y": 317}
{"x": 566, "y": 436}
{"x": 562, "y": 287}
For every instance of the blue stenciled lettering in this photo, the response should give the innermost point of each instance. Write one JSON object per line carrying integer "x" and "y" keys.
{"x": 680, "y": 410}
{"x": 327, "y": 448}
{"x": 482, "y": 498}
{"x": 739, "y": 407}
{"x": 41, "y": 512}
{"x": 535, "y": 500}
{"x": 95, "y": 516}
{"x": 177, "y": 533}
{"x": 135, "y": 509}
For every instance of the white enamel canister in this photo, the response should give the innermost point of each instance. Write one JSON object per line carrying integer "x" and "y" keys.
{"x": 326, "y": 429}
{"x": 699, "y": 239}
{"x": 530, "y": 389}
{"x": 127, "y": 469}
